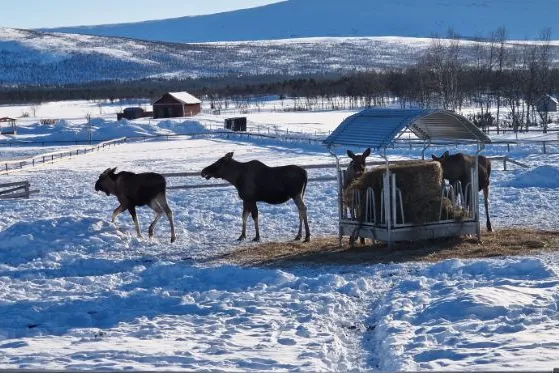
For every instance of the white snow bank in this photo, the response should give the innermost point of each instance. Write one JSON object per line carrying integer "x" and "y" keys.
{"x": 539, "y": 177}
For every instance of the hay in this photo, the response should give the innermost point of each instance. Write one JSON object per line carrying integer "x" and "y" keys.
{"x": 324, "y": 251}
{"x": 420, "y": 183}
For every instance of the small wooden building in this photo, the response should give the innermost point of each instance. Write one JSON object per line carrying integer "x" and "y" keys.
{"x": 548, "y": 103}
{"x": 176, "y": 104}
{"x": 235, "y": 124}
{"x": 131, "y": 113}
{"x": 8, "y": 126}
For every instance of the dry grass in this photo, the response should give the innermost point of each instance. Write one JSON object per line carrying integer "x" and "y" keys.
{"x": 326, "y": 251}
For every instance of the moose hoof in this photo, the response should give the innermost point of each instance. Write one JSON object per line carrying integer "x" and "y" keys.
{"x": 307, "y": 239}
{"x": 241, "y": 237}
{"x": 256, "y": 239}
{"x": 297, "y": 238}
{"x": 173, "y": 239}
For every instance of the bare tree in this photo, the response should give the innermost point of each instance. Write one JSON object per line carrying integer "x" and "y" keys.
{"x": 442, "y": 61}
{"x": 500, "y": 36}
{"x": 543, "y": 85}
{"x": 33, "y": 108}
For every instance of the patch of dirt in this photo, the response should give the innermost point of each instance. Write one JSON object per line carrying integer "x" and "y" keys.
{"x": 326, "y": 250}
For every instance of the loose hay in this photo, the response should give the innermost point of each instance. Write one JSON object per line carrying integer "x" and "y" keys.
{"x": 326, "y": 251}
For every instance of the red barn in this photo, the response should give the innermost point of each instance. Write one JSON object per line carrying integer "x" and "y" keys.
{"x": 176, "y": 104}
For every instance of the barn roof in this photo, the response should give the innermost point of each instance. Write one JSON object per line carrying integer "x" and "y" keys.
{"x": 184, "y": 97}
{"x": 553, "y": 97}
{"x": 378, "y": 128}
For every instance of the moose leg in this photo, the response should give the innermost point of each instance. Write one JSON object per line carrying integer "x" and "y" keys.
{"x": 246, "y": 213}
{"x": 155, "y": 206}
{"x": 254, "y": 213}
{"x": 160, "y": 205}
{"x": 302, "y": 219}
{"x": 486, "y": 203}
{"x": 132, "y": 211}
{"x": 151, "y": 229}
{"x": 116, "y": 212}
{"x": 169, "y": 214}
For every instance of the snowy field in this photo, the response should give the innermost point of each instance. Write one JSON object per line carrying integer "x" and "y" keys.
{"x": 77, "y": 292}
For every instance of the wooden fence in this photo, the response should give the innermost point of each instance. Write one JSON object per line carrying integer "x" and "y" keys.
{"x": 20, "y": 189}
{"x": 505, "y": 159}
{"x": 7, "y": 167}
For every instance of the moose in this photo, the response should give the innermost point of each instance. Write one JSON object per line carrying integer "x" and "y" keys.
{"x": 356, "y": 167}
{"x": 354, "y": 170}
{"x": 457, "y": 167}
{"x": 134, "y": 190}
{"x": 257, "y": 182}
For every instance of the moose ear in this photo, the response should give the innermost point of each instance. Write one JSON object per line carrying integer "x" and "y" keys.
{"x": 367, "y": 152}
{"x": 435, "y": 158}
{"x": 113, "y": 170}
{"x": 446, "y": 154}
{"x": 228, "y": 155}
{"x": 350, "y": 154}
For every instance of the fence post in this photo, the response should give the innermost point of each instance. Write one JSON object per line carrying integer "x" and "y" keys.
{"x": 544, "y": 150}
{"x": 26, "y": 186}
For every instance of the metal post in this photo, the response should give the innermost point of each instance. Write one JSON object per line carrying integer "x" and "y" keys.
{"x": 475, "y": 189}
{"x": 393, "y": 197}
{"x": 424, "y": 149}
{"x": 386, "y": 199}
{"x": 340, "y": 195}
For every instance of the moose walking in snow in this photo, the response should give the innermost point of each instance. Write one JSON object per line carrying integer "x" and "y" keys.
{"x": 133, "y": 190}
{"x": 257, "y": 182}
{"x": 457, "y": 167}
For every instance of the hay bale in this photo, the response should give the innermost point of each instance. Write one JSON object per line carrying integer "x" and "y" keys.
{"x": 420, "y": 183}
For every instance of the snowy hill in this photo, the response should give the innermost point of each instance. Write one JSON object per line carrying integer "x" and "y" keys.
{"x": 318, "y": 18}
{"x": 32, "y": 57}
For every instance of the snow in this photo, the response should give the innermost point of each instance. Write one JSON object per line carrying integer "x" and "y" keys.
{"x": 539, "y": 177}
{"x": 77, "y": 292}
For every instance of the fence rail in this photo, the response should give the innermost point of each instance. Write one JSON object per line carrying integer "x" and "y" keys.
{"x": 505, "y": 159}
{"x": 7, "y": 167}
{"x": 19, "y": 189}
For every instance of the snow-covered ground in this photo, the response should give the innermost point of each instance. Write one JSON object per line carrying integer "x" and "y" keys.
{"x": 77, "y": 292}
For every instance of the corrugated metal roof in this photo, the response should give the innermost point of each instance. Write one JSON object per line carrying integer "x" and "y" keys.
{"x": 378, "y": 128}
{"x": 184, "y": 97}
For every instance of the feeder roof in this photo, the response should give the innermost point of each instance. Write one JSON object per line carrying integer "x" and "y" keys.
{"x": 379, "y": 128}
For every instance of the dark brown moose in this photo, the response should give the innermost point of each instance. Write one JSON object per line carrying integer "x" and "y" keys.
{"x": 457, "y": 167}
{"x": 256, "y": 182}
{"x": 133, "y": 190}
{"x": 354, "y": 170}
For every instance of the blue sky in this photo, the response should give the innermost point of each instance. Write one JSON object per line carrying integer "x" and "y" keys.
{"x": 54, "y": 13}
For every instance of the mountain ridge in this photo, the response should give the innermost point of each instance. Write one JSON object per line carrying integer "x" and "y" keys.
{"x": 41, "y": 58}
{"x": 321, "y": 18}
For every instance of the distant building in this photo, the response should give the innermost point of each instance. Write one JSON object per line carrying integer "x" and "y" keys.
{"x": 548, "y": 103}
{"x": 133, "y": 113}
{"x": 8, "y": 126}
{"x": 176, "y": 104}
{"x": 236, "y": 124}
